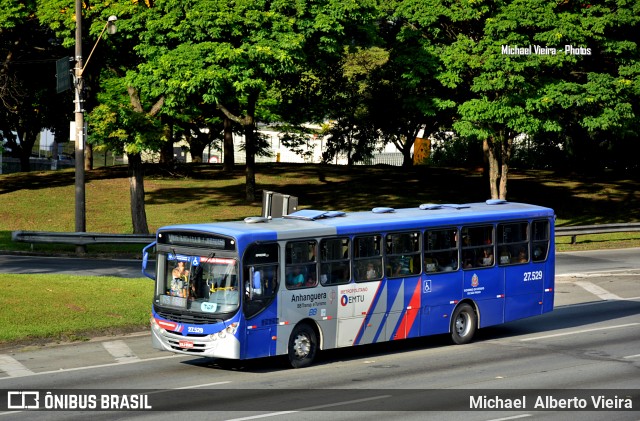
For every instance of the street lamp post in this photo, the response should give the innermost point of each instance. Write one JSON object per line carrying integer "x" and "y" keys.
{"x": 80, "y": 135}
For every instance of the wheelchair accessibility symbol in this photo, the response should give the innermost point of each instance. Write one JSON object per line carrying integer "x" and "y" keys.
{"x": 427, "y": 286}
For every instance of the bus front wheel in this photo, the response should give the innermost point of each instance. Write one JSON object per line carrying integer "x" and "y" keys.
{"x": 463, "y": 324}
{"x": 303, "y": 346}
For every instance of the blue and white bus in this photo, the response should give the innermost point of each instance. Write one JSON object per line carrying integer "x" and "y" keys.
{"x": 315, "y": 280}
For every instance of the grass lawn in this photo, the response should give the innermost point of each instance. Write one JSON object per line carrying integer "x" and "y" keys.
{"x": 36, "y": 308}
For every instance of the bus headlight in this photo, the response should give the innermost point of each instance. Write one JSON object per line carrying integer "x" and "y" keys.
{"x": 155, "y": 326}
{"x": 229, "y": 330}
{"x": 232, "y": 328}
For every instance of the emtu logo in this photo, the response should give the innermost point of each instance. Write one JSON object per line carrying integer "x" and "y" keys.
{"x": 353, "y": 299}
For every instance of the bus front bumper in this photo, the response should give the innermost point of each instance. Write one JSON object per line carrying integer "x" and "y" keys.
{"x": 219, "y": 345}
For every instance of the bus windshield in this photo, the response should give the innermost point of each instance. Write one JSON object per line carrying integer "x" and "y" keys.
{"x": 197, "y": 283}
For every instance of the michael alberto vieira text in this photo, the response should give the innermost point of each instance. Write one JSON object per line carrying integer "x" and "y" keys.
{"x": 594, "y": 402}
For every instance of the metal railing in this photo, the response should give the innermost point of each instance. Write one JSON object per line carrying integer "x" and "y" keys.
{"x": 79, "y": 238}
{"x": 88, "y": 238}
{"x": 596, "y": 229}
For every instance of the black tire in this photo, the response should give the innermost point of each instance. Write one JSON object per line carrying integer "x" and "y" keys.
{"x": 303, "y": 346}
{"x": 463, "y": 324}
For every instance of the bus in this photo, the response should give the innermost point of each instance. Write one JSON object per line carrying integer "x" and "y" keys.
{"x": 316, "y": 280}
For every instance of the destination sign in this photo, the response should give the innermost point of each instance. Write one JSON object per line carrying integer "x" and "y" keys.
{"x": 198, "y": 240}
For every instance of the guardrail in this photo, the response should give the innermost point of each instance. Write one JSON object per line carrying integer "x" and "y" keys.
{"x": 79, "y": 238}
{"x": 88, "y": 238}
{"x": 596, "y": 229}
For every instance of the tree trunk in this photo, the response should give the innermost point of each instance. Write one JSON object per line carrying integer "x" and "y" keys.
{"x": 136, "y": 189}
{"x": 251, "y": 163}
{"x": 166, "y": 152}
{"x": 506, "y": 144}
{"x": 229, "y": 157}
{"x": 406, "y": 157}
{"x": 250, "y": 147}
{"x": 196, "y": 148}
{"x": 494, "y": 168}
{"x": 25, "y": 163}
{"x": 88, "y": 157}
{"x": 27, "y": 141}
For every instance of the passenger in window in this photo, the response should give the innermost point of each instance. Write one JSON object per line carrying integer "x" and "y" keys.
{"x": 371, "y": 272}
{"x": 522, "y": 256}
{"x": 179, "y": 283}
{"x": 180, "y": 271}
{"x": 505, "y": 256}
{"x": 396, "y": 271}
{"x": 311, "y": 281}
{"x": 431, "y": 264}
{"x": 295, "y": 278}
{"x": 487, "y": 257}
{"x": 537, "y": 254}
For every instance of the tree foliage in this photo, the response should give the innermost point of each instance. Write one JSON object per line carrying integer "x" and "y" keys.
{"x": 28, "y": 100}
{"x": 373, "y": 70}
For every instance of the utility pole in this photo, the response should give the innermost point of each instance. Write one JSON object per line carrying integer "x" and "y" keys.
{"x": 80, "y": 134}
{"x": 79, "y": 131}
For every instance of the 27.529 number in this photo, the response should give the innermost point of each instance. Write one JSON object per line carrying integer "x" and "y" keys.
{"x": 533, "y": 276}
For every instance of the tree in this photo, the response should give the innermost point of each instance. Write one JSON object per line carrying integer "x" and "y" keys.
{"x": 353, "y": 131}
{"x": 499, "y": 59}
{"x": 123, "y": 122}
{"x": 28, "y": 100}
{"x": 236, "y": 55}
{"x": 593, "y": 98}
{"x": 406, "y": 96}
{"x": 128, "y": 117}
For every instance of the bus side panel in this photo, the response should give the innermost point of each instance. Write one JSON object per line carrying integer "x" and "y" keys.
{"x": 364, "y": 305}
{"x": 439, "y": 293}
{"x": 260, "y": 333}
{"x": 404, "y": 325}
{"x": 549, "y": 280}
{"x": 521, "y": 306}
{"x": 524, "y": 288}
{"x": 485, "y": 286}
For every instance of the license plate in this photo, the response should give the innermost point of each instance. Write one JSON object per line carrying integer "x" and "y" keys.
{"x": 185, "y": 344}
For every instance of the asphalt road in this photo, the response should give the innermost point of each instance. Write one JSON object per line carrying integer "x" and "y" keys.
{"x": 125, "y": 268}
{"x": 588, "y": 347}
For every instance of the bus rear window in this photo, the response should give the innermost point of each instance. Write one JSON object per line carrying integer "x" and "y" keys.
{"x": 540, "y": 240}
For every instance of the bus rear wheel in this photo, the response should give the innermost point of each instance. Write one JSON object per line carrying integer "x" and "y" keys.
{"x": 303, "y": 346}
{"x": 463, "y": 324}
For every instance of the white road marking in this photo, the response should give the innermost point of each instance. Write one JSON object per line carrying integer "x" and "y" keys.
{"x": 310, "y": 408}
{"x": 13, "y": 367}
{"x": 120, "y": 351}
{"x": 197, "y": 386}
{"x": 515, "y": 417}
{"x": 601, "y": 293}
{"x": 576, "y": 332}
{"x": 89, "y": 367}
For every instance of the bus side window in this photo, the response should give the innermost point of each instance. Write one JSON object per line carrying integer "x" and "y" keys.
{"x": 403, "y": 254}
{"x": 334, "y": 261}
{"x": 540, "y": 240}
{"x": 477, "y": 246}
{"x": 441, "y": 250}
{"x": 301, "y": 267}
{"x": 513, "y": 243}
{"x": 259, "y": 277}
{"x": 367, "y": 259}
